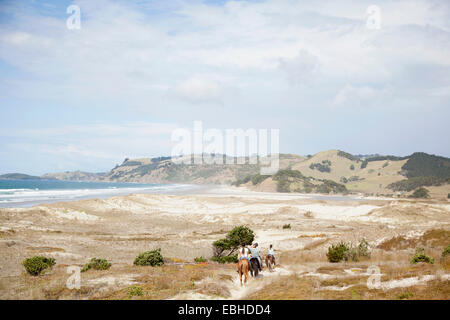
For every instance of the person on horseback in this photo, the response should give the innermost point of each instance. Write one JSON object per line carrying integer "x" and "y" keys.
{"x": 271, "y": 253}
{"x": 243, "y": 253}
{"x": 256, "y": 253}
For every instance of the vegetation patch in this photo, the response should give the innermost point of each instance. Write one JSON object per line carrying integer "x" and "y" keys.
{"x": 420, "y": 256}
{"x": 96, "y": 264}
{"x": 135, "y": 291}
{"x": 199, "y": 259}
{"x": 347, "y": 251}
{"x": 150, "y": 258}
{"x": 420, "y": 193}
{"x": 287, "y": 226}
{"x": 35, "y": 265}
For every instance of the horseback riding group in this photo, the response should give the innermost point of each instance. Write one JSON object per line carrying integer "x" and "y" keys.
{"x": 250, "y": 260}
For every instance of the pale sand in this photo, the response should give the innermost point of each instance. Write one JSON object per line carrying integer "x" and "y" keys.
{"x": 184, "y": 226}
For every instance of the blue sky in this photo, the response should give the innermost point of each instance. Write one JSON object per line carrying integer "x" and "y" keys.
{"x": 136, "y": 70}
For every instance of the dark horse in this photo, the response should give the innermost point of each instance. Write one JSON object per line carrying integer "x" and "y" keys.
{"x": 254, "y": 267}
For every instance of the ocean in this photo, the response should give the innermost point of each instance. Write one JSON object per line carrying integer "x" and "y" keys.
{"x": 25, "y": 193}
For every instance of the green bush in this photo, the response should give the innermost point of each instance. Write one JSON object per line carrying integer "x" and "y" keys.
{"x": 446, "y": 252}
{"x": 199, "y": 259}
{"x": 337, "y": 253}
{"x": 287, "y": 226}
{"x": 135, "y": 291}
{"x": 35, "y": 265}
{"x": 150, "y": 258}
{"x": 448, "y": 196}
{"x": 352, "y": 167}
{"x": 97, "y": 264}
{"x": 420, "y": 193}
{"x": 420, "y": 256}
{"x": 363, "y": 248}
{"x": 348, "y": 252}
{"x": 226, "y": 259}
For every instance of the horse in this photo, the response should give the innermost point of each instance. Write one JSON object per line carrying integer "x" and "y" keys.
{"x": 270, "y": 262}
{"x": 243, "y": 267}
{"x": 254, "y": 267}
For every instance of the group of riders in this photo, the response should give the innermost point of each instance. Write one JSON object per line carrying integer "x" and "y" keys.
{"x": 254, "y": 252}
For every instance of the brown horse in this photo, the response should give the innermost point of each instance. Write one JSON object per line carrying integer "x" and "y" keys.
{"x": 243, "y": 268}
{"x": 270, "y": 262}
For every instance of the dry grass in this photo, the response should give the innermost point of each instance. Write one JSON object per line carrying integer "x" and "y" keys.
{"x": 285, "y": 288}
{"x": 435, "y": 238}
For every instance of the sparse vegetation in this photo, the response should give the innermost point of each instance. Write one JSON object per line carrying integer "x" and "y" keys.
{"x": 135, "y": 291}
{"x": 226, "y": 259}
{"x": 420, "y": 256}
{"x": 352, "y": 167}
{"x": 150, "y": 258}
{"x": 97, "y": 264}
{"x": 35, "y": 265}
{"x": 446, "y": 252}
{"x": 348, "y": 252}
{"x": 414, "y": 183}
{"x": 199, "y": 259}
{"x": 420, "y": 193}
{"x": 322, "y": 167}
{"x": 287, "y": 226}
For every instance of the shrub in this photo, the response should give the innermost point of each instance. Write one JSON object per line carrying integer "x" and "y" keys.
{"x": 199, "y": 259}
{"x": 420, "y": 193}
{"x": 420, "y": 256}
{"x": 352, "y": 167}
{"x": 97, "y": 264}
{"x": 257, "y": 178}
{"x": 150, "y": 258}
{"x": 448, "y": 196}
{"x": 135, "y": 291}
{"x": 364, "y": 164}
{"x": 346, "y": 251}
{"x": 322, "y": 167}
{"x": 364, "y": 248}
{"x": 35, "y": 265}
{"x": 446, "y": 252}
{"x": 287, "y": 226}
{"x": 337, "y": 253}
{"x": 226, "y": 259}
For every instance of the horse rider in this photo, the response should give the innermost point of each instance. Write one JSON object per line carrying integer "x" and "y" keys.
{"x": 256, "y": 253}
{"x": 270, "y": 252}
{"x": 244, "y": 253}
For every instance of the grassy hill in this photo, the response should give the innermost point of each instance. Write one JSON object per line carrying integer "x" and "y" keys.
{"x": 18, "y": 176}
{"x": 327, "y": 171}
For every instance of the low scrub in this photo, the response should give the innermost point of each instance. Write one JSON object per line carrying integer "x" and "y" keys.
{"x": 420, "y": 193}
{"x": 348, "y": 252}
{"x": 150, "y": 258}
{"x": 35, "y": 265}
{"x": 199, "y": 259}
{"x": 96, "y": 264}
{"x": 135, "y": 291}
{"x": 287, "y": 226}
{"x": 226, "y": 259}
{"x": 446, "y": 252}
{"x": 421, "y": 256}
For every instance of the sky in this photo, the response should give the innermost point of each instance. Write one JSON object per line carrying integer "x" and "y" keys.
{"x": 84, "y": 99}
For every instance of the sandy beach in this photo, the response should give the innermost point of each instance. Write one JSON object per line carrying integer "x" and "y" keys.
{"x": 184, "y": 227}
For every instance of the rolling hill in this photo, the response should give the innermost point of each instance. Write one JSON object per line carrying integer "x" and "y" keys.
{"x": 331, "y": 171}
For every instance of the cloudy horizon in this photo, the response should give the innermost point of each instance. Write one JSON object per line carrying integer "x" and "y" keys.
{"x": 85, "y": 99}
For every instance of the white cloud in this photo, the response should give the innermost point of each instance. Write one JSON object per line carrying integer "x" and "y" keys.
{"x": 198, "y": 89}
